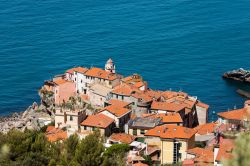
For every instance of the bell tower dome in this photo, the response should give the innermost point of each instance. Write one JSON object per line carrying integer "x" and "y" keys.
{"x": 110, "y": 66}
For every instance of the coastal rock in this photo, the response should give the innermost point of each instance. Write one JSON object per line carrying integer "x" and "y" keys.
{"x": 238, "y": 75}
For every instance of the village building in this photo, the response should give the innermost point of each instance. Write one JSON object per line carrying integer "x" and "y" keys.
{"x": 236, "y": 118}
{"x": 99, "y": 121}
{"x": 168, "y": 118}
{"x": 118, "y": 103}
{"x": 200, "y": 156}
{"x": 70, "y": 118}
{"x": 120, "y": 138}
{"x": 62, "y": 89}
{"x": 98, "y": 94}
{"x": 55, "y": 134}
{"x": 202, "y": 112}
{"x": 173, "y": 141}
{"x": 120, "y": 115}
{"x": 140, "y": 125}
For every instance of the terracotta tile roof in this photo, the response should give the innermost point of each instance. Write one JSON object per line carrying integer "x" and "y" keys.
{"x": 225, "y": 149}
{"x": 124, "y": 89}
{"x": 98, "y": 120}
{"x": 139, "y": 84}
{"x": 167, "y": 106}
{"x": 203, "y": 105}
{"x": 77, "y": 69}
{"x": 166, "y": 118}
{"x": 50, "y": 128}
{"x": 140, "y": 164}
{"x": 188, "y": 162}
{"x": 60, "y": 81}
{"x": 144, "y": 97}
{"x": 238, "y": 114}
{"x": 132, "y": 116}
{"x": 171, "y": 132}
{"x": 171, "y": 94}
{"x": 84, "y": 97}
{"x": 100, "y": 73}
{"x": 56, "y": 135}
{"x": 152, "y": 148}
{"x": 153, "y": 94}
{"x": 202, "y": 155}
{"x": 122, "y": 137}
{"x": 206, "y": 128}
{"x": 133, "y": 78}
{"x": 115, "y": 110}
{"x": 118, "y": 103}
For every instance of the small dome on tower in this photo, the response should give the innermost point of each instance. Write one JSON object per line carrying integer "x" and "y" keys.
{"x": 110, "y": 60}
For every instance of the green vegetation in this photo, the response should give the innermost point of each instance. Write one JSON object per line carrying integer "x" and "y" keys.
{"x": 32, "y": 148}
{"x": 241, "y": 152}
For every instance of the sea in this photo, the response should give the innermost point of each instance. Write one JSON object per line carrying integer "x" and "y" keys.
{"x": 178, "y": 45}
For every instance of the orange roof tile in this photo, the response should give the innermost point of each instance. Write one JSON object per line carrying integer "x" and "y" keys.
{"x": 225, "y": 149}
{"x": 167, "y": 106}
{"x": 133, "y": 78}
{"x": 50, "y": 128}
{"x": 238, "y": 114}
{"x": 140, "y": 164}
{"x": 140, "y": 95}
{"x": 122, "y": 137}
{"x": 60, "y": 81}
{"x": 117, "y": 111}
{"x": 124, "y": 89}
{"x": 84, "y": 97}
{"x": 167, "y": 118}
{"x": 206, "y": 128}
{"x": 188, "y": 162}
{"x": 139, "y": 84}
{"x": 56, "y": 135}
{"x": 77, "y": 69}
{"x": 118, "y": 103}
{"x": 98, "y": 120}
{"x": 153, "y": 94}
{"x": 100, "y": 73}
{"x": 171, "y": 132}
{"x": 202, "y": 155}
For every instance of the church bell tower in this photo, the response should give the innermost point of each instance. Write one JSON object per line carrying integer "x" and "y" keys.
{"x": 110, "y": 66}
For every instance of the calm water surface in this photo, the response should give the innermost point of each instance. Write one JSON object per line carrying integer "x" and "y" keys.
{"x": 174, "y": 44}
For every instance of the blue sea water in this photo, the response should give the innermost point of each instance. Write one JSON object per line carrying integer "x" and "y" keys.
{"x": 174, "y": 44}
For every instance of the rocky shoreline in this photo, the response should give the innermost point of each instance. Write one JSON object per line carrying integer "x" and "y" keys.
{"x": 29, "y": 119}
{"x": 238, "y": 75}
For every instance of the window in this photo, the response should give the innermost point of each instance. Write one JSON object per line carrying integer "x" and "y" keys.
{"x": 134, "y": 131}
{"x": 75, "y": 79}
{"x": 71, "y": 118}
{"x": 143, "y": 132}
{"x": 93, "y": 128}
{"x": 81, "y": 81}
{"x": 85, "y": 127}
{"x": 122, "y": 97}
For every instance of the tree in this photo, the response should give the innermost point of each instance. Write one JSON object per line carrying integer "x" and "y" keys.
{"x": 115, "y": 155}
{"x": 70, "y": 146}
{"x": 241, "y": 152}
{"x": 89, "y": 150}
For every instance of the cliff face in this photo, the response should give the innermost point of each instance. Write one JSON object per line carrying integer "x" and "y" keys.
{"x": 238, "y": 75}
